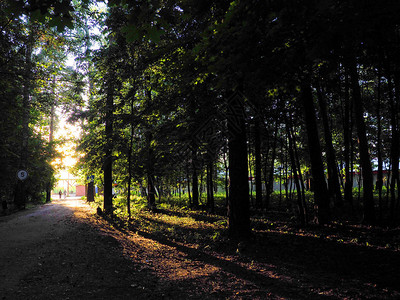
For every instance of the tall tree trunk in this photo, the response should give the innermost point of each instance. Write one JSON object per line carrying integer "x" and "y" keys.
{"x": 151, "y": 191}
{"x": 301, "y": 210}
{"x": 297, "y": 159}
{"x": 270, "y": 182}
{"x": 286, "y": 175}
{"x": 394, "y": 144}
{"x": 365, "y": 161}
{"x": 250, "y": 171}
{"x": 107, "y": 168}
{"x": 226, "y": 177}
{"x": 179, "y": 188}
{"x": 291, "y": 185}
{"x": 379, "y": 182}
{"x": 210, "y": 189}
{"x": 257, "y": 153}
{"x": 280, "y": 186}
{"x": 265, "y": 175}
{"x": 238, "y": 209}
{"x": 90, "y": 191}
{"x": 201, "y": 184}
{"x": 348, "y": 185}
{"x": 188, "y": 185}
{"x": 159, "y": 188}
{"x": 51, "y": 133}
{"x": 388, "y": 181}
{"x": 333, "y": 176}
{"x": 314, "y": 148}
{"x": 130, "y": 149}
{"x": 195, "y": 181}
{"x": 151, "y": 199}
{"x": 20, "y": 194}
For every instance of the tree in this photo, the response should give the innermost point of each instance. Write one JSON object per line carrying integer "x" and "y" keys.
{"x": 238, "y": 205}
{"x": 365, "y": 161}
{"x": 314, "y": 148}
{"x": 176, "y": 62}
{"x": 28, "y": 46}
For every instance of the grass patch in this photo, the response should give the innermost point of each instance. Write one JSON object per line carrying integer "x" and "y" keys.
{"x": 172, "y": 220}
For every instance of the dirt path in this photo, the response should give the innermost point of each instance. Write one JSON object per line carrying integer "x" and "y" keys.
{"x": 63, "y": 251}
{"x": 23, "y": 238}
{"x": 57, "y": 251}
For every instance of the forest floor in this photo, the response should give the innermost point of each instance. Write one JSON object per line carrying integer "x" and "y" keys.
{"x": 63, "y": 250}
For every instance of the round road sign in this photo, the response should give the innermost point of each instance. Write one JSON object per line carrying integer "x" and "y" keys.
{"x": 22, "y": 175}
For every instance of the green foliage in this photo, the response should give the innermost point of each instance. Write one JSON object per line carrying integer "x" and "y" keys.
{"x": 57, "y": 13}
{"x": 175, "y": 223}
{"x": 167, "y": 69}
{"x": 32, "y": 55}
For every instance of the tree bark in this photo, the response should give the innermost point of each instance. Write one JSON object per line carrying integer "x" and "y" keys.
{"x": 365, "y": 161}
{"x": 210, "y": 189}
{"x": 90, "y": 192}
{"x": 130, "y": 149}
{"x": 20, "y": 194}
{"x": 333, "y": 176}
{"x": 238, "y": 208}
{"x": 51, "y": 134}
{"x": 151, "y": 198}
{"x": 379, "y": 182}
{"x": 270, "y": 182}
{"x": 195, "y": 182}
{"x": 226, "y": 177}
{"x": 188, "y": 185}
{"x": 297, "y": 159}
{"x": 250, "y": 172}
{"x": 107, "y": 169}
{"x": 257, "y": 153}
{"x": 348, "y": 184}
{"x": 301, "y": 210}
{"x": 317, "y": 169}
{"x": 394, "y": 145}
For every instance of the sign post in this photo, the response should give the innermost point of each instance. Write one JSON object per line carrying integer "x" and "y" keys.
{"x": 90, "y": 189}
{"x": 20, "y": 193}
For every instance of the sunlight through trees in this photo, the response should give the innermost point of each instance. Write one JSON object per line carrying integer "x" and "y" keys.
{"x": 265, "y": 103}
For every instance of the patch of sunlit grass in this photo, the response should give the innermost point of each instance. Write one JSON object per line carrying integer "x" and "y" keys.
{"x": 173, "y": 222}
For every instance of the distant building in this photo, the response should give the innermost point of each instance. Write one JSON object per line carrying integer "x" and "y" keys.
{"x": 65, "y": 182}
{"x": 80, "y": 190}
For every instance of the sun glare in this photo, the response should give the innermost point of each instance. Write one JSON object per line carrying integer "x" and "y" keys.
{"x": 68, "y": 134}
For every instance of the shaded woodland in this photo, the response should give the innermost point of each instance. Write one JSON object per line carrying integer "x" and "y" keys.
{"x": 209, "y": 103}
